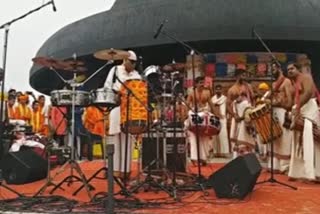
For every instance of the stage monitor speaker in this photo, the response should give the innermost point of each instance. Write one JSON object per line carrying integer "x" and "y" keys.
{"x": 237, "y": 178}
{"x": 23, "y": 167}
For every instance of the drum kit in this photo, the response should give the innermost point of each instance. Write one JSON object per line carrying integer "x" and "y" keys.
{"x": 164, "y": 84}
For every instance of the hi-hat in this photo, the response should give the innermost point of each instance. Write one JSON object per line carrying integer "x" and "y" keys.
{"x": 173, "y": 67}
{"x": 111, "y": 54}
{"x": 48, "y": 62}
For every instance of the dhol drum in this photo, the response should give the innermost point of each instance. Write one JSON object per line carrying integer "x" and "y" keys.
{"x": 208, "y": 124}
{"x": 134, "y": 114}
{"x": 105, "y": 97}
{"x": 64, "y": 98}
{"x": 261, "y": 118}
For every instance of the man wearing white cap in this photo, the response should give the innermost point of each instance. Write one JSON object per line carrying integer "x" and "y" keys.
{"x": 123, "y": 72}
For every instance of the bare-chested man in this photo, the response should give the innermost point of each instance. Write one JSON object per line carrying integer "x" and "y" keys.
{"x": 201, "y": 97}
{"x": 281, "y": 103}
{"x": 305, "y": 155}
{"x": 240, "y": 97}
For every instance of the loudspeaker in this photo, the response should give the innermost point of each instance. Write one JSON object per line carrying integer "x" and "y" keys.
{"x": 237, "y": 178}
{"x": 22, "y": 167}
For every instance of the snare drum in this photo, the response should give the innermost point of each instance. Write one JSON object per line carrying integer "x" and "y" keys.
{"x": 136, "y": 117}
{"x": 64, "y": 98}
{"x": 208, "y": 124}
{"x": 261, "y": 118}
{"x": 105, "y": 97}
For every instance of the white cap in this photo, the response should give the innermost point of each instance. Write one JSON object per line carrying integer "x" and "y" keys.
{"x": 132, "y": 55}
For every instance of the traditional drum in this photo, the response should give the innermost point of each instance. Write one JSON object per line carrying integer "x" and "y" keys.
{"x": 105, "y": 97}
{"x": 64, "y": 98}
{"x": 208, "y": 124}
{"x": 134, "y": 114}
{"x": 264, "y": 124}
{"x": 299, "y": 126}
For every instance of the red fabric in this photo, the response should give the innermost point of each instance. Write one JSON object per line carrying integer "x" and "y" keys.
{"x": 210, "y": 70}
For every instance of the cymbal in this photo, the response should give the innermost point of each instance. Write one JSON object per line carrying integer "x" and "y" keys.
{"x": 173, "y": 67}
{"x": 48, "y": 62}
{"x": 111, "y": 54}
{"x": 73, "y": 65}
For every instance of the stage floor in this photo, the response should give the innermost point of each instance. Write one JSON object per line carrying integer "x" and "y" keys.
{"x": 266, "y": 198}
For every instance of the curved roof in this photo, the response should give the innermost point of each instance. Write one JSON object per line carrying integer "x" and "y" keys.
{"x": 131, "y": 24}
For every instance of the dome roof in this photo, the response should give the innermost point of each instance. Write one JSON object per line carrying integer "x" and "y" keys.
{"x": 131, "y": 24}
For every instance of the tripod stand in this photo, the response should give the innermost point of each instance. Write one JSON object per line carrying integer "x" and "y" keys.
{"x": 72, "y": 162}
{"x": 6, "y": 26}
{"x": 49, "y": 181}
{"x": 271, "y": 141}
{"x": 149, "y": 180}
{"x": 104, "y": 169}
{"x": 200, "y": 181}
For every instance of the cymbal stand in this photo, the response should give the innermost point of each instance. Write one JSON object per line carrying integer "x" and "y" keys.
{"x": 49, "y": 181}
{"x": 72, "y": 162}
{"x": 106, "y": 143}
{"x": 149, "y": 180}
{"x": 271, "y": 179}
{"x": 200, "y": 181}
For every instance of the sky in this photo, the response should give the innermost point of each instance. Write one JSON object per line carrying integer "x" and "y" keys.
{"x": 27, "y": 35}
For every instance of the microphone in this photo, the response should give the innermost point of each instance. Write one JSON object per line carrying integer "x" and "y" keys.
{"x": 175, "y": 84}
{"x": 253, "y": 32}
{"x": 159, "y": 29}
{"x": 53, "y": 6}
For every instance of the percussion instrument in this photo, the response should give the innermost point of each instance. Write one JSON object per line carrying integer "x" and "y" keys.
{"x": 137, "y": 113}
{"x": 48, "y": 62}
{"x": 208, "y": 124}
{"x": 105, "y": 97}
{"x": 64, "y": 98}
{"x": 173, "y": 67}
{"x": 261, "y": 118}
{"x": 154, "y": 79}
{"x": 299, "y": 126}
{"x": 69, "y": 65}
{"x": 111, "y": 54}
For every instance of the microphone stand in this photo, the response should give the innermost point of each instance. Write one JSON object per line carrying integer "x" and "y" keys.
{"x": 200, "y": 181}
{"x": 272, "y": 178}
{"x": 6, "y": 26}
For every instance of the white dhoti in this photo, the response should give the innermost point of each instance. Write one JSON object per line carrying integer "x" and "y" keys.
{"x": 305, "y": 154}
{"x": 240, "y": 137}
{"x": 205, "y": 142}
{"x": 221, "y": 141}
{"x": 119, "y": 140}
{"x": 204, "y": 146}
{"x": 282, "y": 145}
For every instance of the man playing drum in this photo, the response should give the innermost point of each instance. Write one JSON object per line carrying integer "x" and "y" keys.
{"x": 240, "y": 97}
{"x": 123, "y": 72}
{"x": 204, "y": 105}
{"x": 305, "y": 152}
{"x": 281, "y": 103}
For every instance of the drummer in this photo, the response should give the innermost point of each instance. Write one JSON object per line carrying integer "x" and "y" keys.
{"x": 124, "y": 72}
{"x": 202, "y": 99}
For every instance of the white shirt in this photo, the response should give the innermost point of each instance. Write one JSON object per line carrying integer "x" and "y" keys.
{"x": 122, "y": 74}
